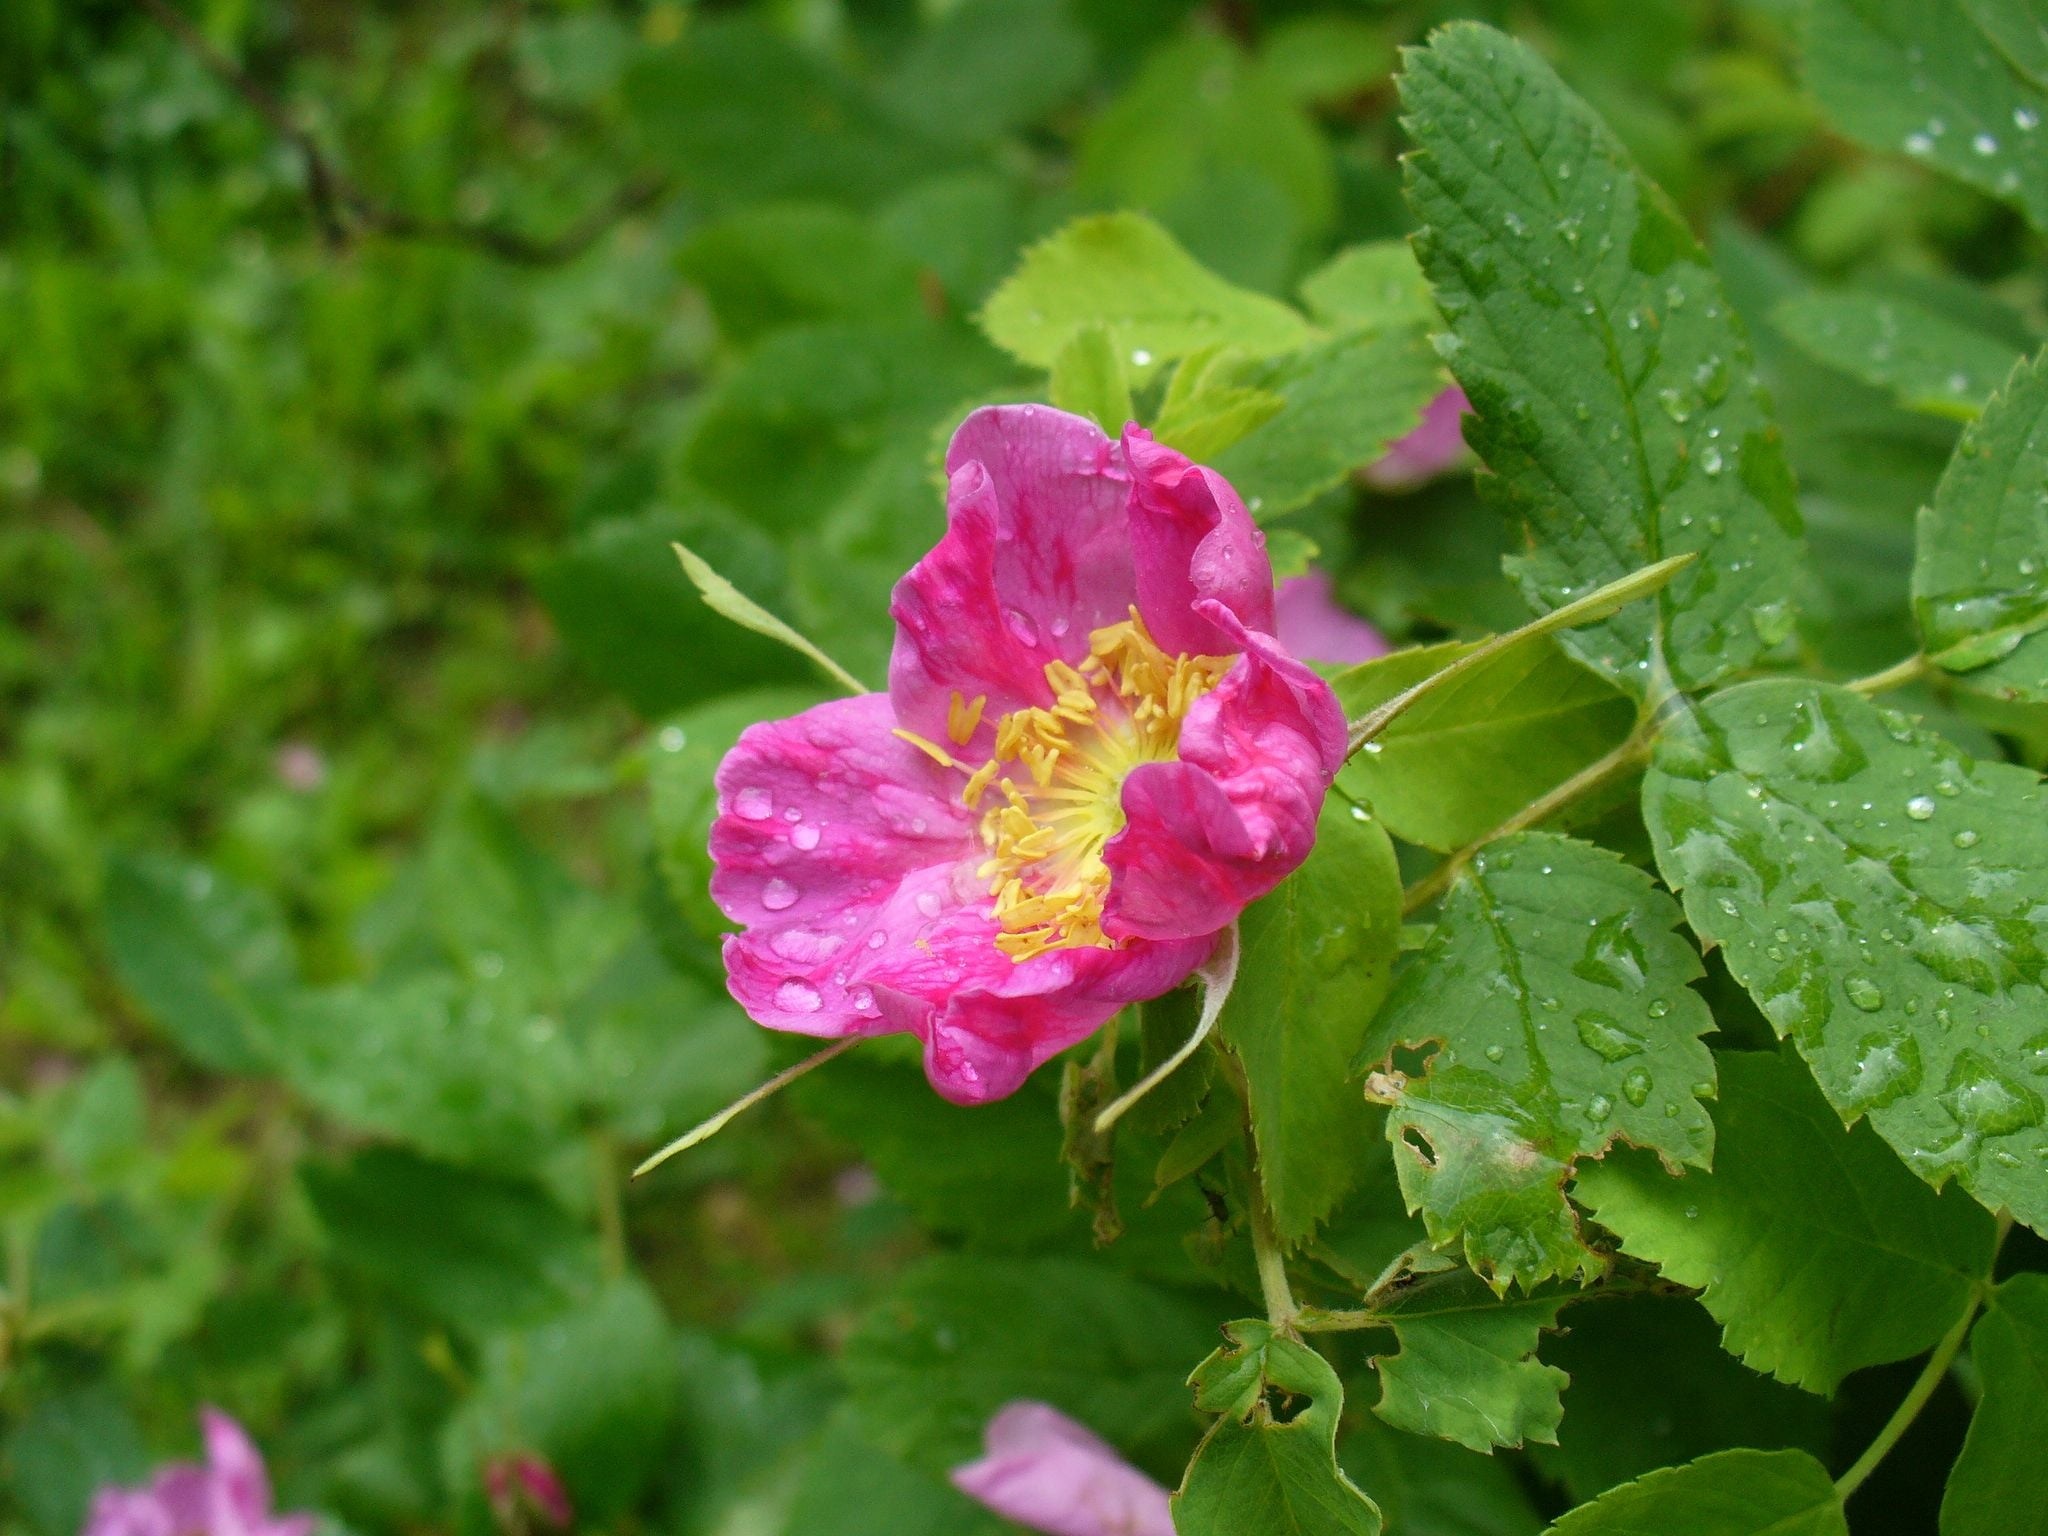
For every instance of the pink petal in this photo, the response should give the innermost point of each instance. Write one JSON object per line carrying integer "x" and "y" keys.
{"x": 1237, "y": 813}
{"x": 1193, "y": 541}
{"x": 1436, "y": 445}
{"x": 1312, "y": 626}
{"x": 1045, "y": 1471}
{"x": 1035, "y": 556}
{"x": 128, "y": 1512}
{"x": 236, "y": 1467}
{"x": 830, "y": 832}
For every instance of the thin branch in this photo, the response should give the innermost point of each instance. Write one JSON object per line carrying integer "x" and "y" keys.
{"x": 1909, "y": 1409}
{"x": 1911, "y": 670}
{"x": 337, "y": 199}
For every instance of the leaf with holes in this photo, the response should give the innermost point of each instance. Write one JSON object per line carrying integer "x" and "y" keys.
{"x": 1467, "y": 1370}
{"x": 1816, "y": 1251}
{"x": 1559, "y": 1002}
{"x": 1617, "y": 402}
{"x": 1269, "y": 1462}
{"x": 1980, "y": 571}
{"x": 1885, "y": 901}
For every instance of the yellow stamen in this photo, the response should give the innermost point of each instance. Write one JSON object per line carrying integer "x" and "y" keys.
{"x": 963, "y": 718}
{"x": 931, "y": 749}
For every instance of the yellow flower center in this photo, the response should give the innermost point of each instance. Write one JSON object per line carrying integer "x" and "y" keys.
{"x": 1054, "y": 787}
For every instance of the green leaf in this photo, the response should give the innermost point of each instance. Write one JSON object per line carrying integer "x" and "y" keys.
{"x": 852, "y": 1487}
{"x": 1898, "y": 945}
{"x": 1374, "y": 287}
{"x": 66, "y": 1447}
{"x": 1559, "y": 1001}
{"x": 958, "y": 1337}
{"x": 1999, "y": 1485}
{"x": 990, "y": 1174}
{"x": 1428, "y": 1487}
{"x": 1921, "y": 78}
{"x": 475, "y": 1250}
{"x": 989, "y": 66}
{"x": 1817, "y": 1252}
{"x": 1926, "y": 360}
{"x": 1088, "y": 379}
{"x": 1317, "y": 59}
{"x": 2015, "y": 26}
{"x": 1980, "y": 572}
{"x": 1124, "y": 273}
{"x": 795, "y": 263}
{"x": 1268, "y": 1465}
{"x": 1731, "y": 1493}
{"x": 743, "y": 115}
{"x": 1316, "y": 958}
{"x": 592, "y": 1390}
{"x": 1625, "y": 1420}
{"x": 427, "y": 1061}
{"x": 208, "y": 959}
{"x": 723, "y": 598}
{"x": 1344, "y": 400}
{"x": 1471, "y": 753}
{"x": 630, "y": 617}
{"x": 1616, "y": 399}
{"x": 1467, "y": 1369}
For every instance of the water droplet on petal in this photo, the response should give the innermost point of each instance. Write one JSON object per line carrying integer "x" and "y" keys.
{"x": 795, "y": 996}
{"x": 863, "y": 1000}
{"x": 778, "y": 894}
{"x": 753, "y": 804}
{"x": 928, "y": 903}
{"x": 804, "y": 837}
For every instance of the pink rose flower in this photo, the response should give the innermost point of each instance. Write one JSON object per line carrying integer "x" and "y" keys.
{"x": 1045, "y": 1471}
{"x": 228, "y": 1496}
{"x": 1436, "y": 445}
{"x": 1093, "y": 752}
{"x": 1314, "y": 626}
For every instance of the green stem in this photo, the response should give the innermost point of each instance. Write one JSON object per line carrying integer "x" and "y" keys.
{"x": 1908, "y": 1410}
{"x": 1912, "y": 669}
{"x": 1589, "y": 778}
{"x": 1281, "y": 1310}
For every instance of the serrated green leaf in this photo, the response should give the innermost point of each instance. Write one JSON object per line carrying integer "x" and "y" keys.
{"x": 1468, "y": 755}
{"x": 1921, "y": 78}
{"x": 1980, "y": 572}
{"x": 1317, "y": 956}
{"x": 958, "y": 1337}
{"x": 1616, "y": 399}
{"x": 1344, "y": 400}
{"x": 478, "y": 1251}
{"x": 1999, "y": 1485}
{"x": 1269, "y": 1462}
{"x": 1924, "y": 359}
{"x": 1882, "y": 898}
{"x": 1623, "y": 1420}
{"x": 1467, "y": 1369}
{"x": 1373, "y": 287}
{"x": 1731, "y": 1493}
{"x": 1088, "y": 379}
{"x": 208, "y": 959}
{"x": 1816, "y": 1251}
{"x": 1121, "y": 271}
{"x": 1559, "y": 1000}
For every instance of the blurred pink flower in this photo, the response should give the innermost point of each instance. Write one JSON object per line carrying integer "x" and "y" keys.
{"x": 1312, "y": 624}
{"x": 228, "y": 1496}
{"x": 523, "y": 1491}
{"x": 301, "y": 767}
{"x": 1092, "y": 754}
{"x": 1043, "y": 1470}
{"x": 1436, "y": 445}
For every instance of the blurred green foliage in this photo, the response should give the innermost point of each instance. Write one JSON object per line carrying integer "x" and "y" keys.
{"x": 358, "y": 363}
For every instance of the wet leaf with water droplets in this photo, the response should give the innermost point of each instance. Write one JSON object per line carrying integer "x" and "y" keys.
{"x": 1622, "y": 419}
{"x": 1910, "y": 966}
{"x": 1920, "y": 77}
{"x": 1817, "y": 1252}
{"x": 1980, "y": 571}
{"x": 1541, "y": 986}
